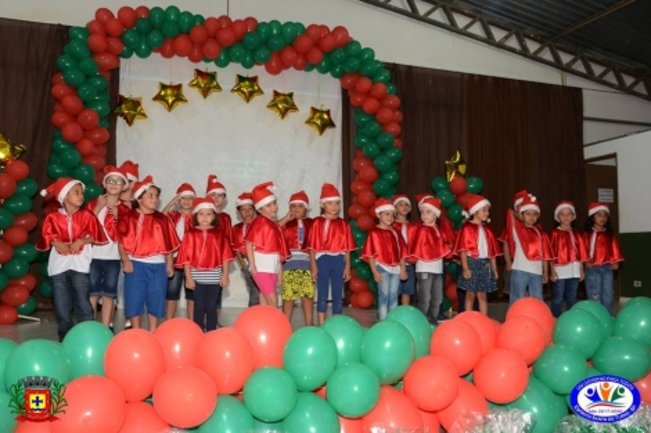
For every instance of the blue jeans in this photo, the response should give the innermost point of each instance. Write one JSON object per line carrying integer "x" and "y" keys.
{"x": 70, "y": 292}
{"x": 521, "y": 281}
{"x": 564, "y": 289}
{"x": 430, "y": 294}
{"x": 387, "y": 292}
{"x": 174, "y": 285}
{"x": 599, "y": 285}
{"x": 408, "y": 286}
{"x": 330, "y": 276}
{"x": 104, "y": 275}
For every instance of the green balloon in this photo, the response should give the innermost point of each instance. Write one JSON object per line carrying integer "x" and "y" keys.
{"x": 447, "y": 197}
{"x": 394, "y": 154}
{"x": 84, "y": 173}
{"x": 391, "y": 176}
{"x": 474, "y": 185}
{"x": 417, "y": 325}
{"x": 372, "y": 150}
{"x": 186, "y": 21}
{"x": 367, "y": 54}
{"x": 88, "y": 66}
{"x": 268, "y": 427}
{"x": 347, "y": 334}
{"x": 65, "y": 62}
{"x": 635, "y": 322}
{"x": 389, "y": 349}
{"x": 37, "y": 357}
{"x": 369, "y": 67}
{"x": 353, "y": 389}
{"x": 7, "y": 415}
{"x": 385, "y": 140}
{"x": 382, "y": 187}
{"x": 132, "y": 38}
{"x": 247, "y": 60}
{"x": 452, "y": 268}
{"x": 77, "y": 49}
{"x": 353, "y": 48}
{"x": 45, "y": 289}
{"x": 270, "y": 394}
{"x": 324, "y": 66}
{"x": 276, "y": 27}
{"x": 546, "y": 408}
{"x": 27, "y": 308}
{"x": 6, "y": 219}
{"x": 262, "y": 54}
{"x": 126, "y": 53}
{"x": 579, "y": 330}
{"x": 155, "y": 38}
{"x": 230, "y": 416}
{"x": 290, "y": 31}
{"x": 16, "y": 268}
{"x": 446, "y": 305}
{"x": 92, "y": 191}
{"x": 27, "y": 187}
{"x": 86, "y": 91}
{"x": 84, "y": 346}
{"x": 263, "y": 30}
{"x": 170, "y": 29}
{"x": 392, "y": 89}
{"x": 143, "y": 26}
{"x": 439, "y": 184}
{"x": 74, "y": 77}
{"x": 237, "y": 51}
{"x": 275, "y": 43}
{"x": 637, "y": 300}
{"x": 560, "y": 368}
{"x": 455, "y": 212}
{"x": 352, "y": 64}
{"x": 199, "y": 19}
{"x": 98, "y": 82}
{"x": 143, "y": 50}
{"x": 310, "y": 356}
{"x": 59, "y": 145}
{"x": 337, "y": 71}
{"x": 172, "y": 13}
{"x": 224, "y": 58}
{"x": 26, "y": 252}
{"x": 623, "y": 356}
{"x": 157, "y": 16}
{"x": 382, "y": 163}
{"x": 371, "y": 127}
{"x": 362, "y": 118}
{"x": 6, "y": 348}
{"x": 311, "y": 414}
{"x": 18, "y": 204}
{"x": 4, "y": 280}
{"x": 79, "y": 33}
{"x": 362, "y": 140}
{"x": 337, "y": 56}
{"x": 251, "y": 40}
{"x": 70, "y": 158}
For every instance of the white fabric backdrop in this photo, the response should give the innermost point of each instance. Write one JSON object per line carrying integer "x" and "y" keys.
{"x": 243, "y": 144}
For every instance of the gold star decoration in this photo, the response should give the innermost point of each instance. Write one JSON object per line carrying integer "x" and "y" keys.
{"x": 455, "y": 166}
{"x": 247, "y": 87}
{"x": 320, "y": 120}
{"x": 130, "y": 109}
{"x": 9, "y": 152}
{"x": 282, "y": 103}
{"x": 170, "y": 95}
{"x": 205, "y": 82}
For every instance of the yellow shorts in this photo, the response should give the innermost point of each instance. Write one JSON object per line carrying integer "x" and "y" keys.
{"x": 297, "y": 283}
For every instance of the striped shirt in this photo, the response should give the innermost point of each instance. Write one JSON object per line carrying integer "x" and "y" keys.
{"x": 209, "y": 276}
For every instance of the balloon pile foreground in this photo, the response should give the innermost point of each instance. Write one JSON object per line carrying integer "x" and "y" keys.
{"x": 468, "y": 374}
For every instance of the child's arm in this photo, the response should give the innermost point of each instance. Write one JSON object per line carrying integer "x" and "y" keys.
{"x": 347, "y": 274}
{"x": 251, "y": 256}
{"x": 553, "y": 276}
{"x": 545, "y": 271}
{"x": 376, "y": 275}
{"x": 494, "y": 267}
{"x": 403, "y": 270}
{"x": 314, "y": 270}
{"x": 79, "y": 244}
{"x": 507, "y": 256}
{"x": 467, "y": 273}
{"x": 127, "y": 266}
{"x": 189, "y": 282}
{"x": 168, "y": 207}
{"x": 169, "y": 264}
{"x": 101, "y": 202}
{"x": 287, "y": 218}
{"x": 226, "y": 268}
{"x": 61, "y": 247}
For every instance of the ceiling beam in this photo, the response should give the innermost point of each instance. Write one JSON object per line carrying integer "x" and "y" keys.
{"x": 589, "y": 20}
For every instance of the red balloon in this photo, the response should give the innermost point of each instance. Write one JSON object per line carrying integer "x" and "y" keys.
{"x": 359, "y": 185}
{"x": 7, "y": 186}
{"x": 179, "y": 338}
{"x": 239, "y": 27}
{"x": 96, "y": 27}
{"x": 483, "y": 326}
{"x": 85, "y": 147}
{"x": 6, "y": 252}
{"x": 107, "y": 61}
{"x": 32, "y": 427}
{"x": 357, "y": 284}
{"x": 142, "y": 418}
{"x": 95, "y": 161}
{"x": 267, "y": 329}
{"x": 463, "y": 198}
{"x": 350, "y": 425}
{"x": 196, "y": 54}
{"x": 398, "y": 117}
{"x": 300, "y": 63}
{"x": 327, "y": 43}
{"x": 355, "y": 210}
{"x": 103, "y": 15}
{"x": 57, "y": 78}
{"x": 379, "y": 91}
{"x": 251, "y": 24}
{"x": 341, "y": 35}
{"x": 19, "y": 170}
{"x": 393, "y": 412}
{"x": 60, "y": 90}
{"x": 15, "y": 236}
{"x": 368, "y": 174}
{"x": 356, "y": 99}
{"x": 60, "y": 118}
{"x": 212, "y": 25}
{"x": 27, "y": 281}
{"x": 451, "y": 293}
{"x": 371, "y": 105}
{"x": 644, "y": 386}
{"x": 115, "y": 46}
{"x": 72, "y": 132}
{"x": 303, "y": 43}
{"x": 366, "y": 198}
{"x": 198, "y": 34}
{"x": 537, "y": 310}
{"x": 98, "y": 135}
{"x": 224, "y": 21}
{"x": 397, "y": 143}
{"x": 134, "y": 360}
{"x": 364, "y": 299}
{"x": 97, "y": 43}
{"x": 458, "y": 185}
{"x": 95, "y": 404}
{"x": 8, "y": 314}
{"x": 14, "y": 296}
{"x": 430, "y": 421}
{"x": 226, "y": 37}
{"x": 127, "y": 16}
{"x": 72, "y": 104}
{"x": 432, "y": 382}
{"x": 458, "y": 342}
{"x": 273, "y": 66}
{"x": 182, "y": 45}
{"x": 523, "y": 335}
{"x": 365, "y": 222}
{"x": 363, "y": 84}
{"x": 114, "y": 27}
{"x": 184, "y": 396}
{"x": 384, "y": 115}
{"x": 348, "y": 80}
{"x": 167, "y": 49}
{"x": 501, "y": 375}
{"x": 142, "y": 11}
{"x": 288, "y": 55}
{"x": 392, "y": 128}
{"x": 313, "y": 32}
{"x": 360, "y": 162}
{"x": 459, "y": 416}
{"x": 227, "y": 357}
{"x": 314, "y": 55}
{"x": 88, "y": 118}
{"x": 211, "y": 49}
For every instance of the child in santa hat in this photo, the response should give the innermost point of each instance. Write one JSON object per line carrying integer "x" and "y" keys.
{"x": 246, "y": 213}
{"x": 217, "y": 191}
{"x": 604, "y": 255}
{"x": 477, "y": 247}
{"x": 569, "y": 251}
{"x": 179, "y": 210}
{"x": 105, "y": 267}
{"x": 205, "y": 255}
{"x": 330, "y": 242}
{"x": 129, "y": 168}
{"x": 385, "y": 251}
{"x": 512, "y": 218}
{"x": 69, "y": 232}
{"x": 265, "y": 243}
{"x": 297, "y": 280}
{"x": 407, "y": 229}
{"x": 147, "y": 240}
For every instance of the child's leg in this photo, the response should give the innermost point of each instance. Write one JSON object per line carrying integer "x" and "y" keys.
{"x": 80, "y": 285}
{"x": 189, "y": 303}
{"x": 424, "y": 282}
{"x": 407, "y": 287}
{"x": 110, "y": 292}
{"x": 607, "y": 295}
{"x": 213, "y": 291}
{"x": 96, "y": 277}
{"x": 483, "y": 303}
{"x": 383, "y": 290}
{"x": 322, "y": 285}
{"x": 173, "y": 294}
{"x": 62, "y": 297}
{"x": 394, "y": 286}
{"x": 289, "y": 292}
{"x": 135, "y": 293}
{"x": 571, "y": 287}
{"x": 558, "y": 293}
{"x": 267, "y": 281}
{"x": 436, "y": 296}
{"x": 519, "y": 280}
{"x": 470, "y": 300}
{"x": 155, "y": 298}
{"x": 200, "y": 308}
{"x": 535, "y": 286}
{"x": 337, "y": 284}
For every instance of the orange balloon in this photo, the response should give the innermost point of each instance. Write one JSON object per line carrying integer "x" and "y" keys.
{"x": 458, "y": 342}
{"x": 430, "y": 421}
{"x": 524, "y": 335}
{"x": 226, "y": 356}
{"x": 460, "y": 415}
{"x": 267, "y": 329}
{"x": 537, "y": 310}
{"x": 321, "y": 392}
{"x": 431, "y": 382}
{"x": 94, "y": 404}
{"x": 350, "y": 425}
{"x": 501, "y": 376}
{"x": 33, "y": 427}
{"x": 644, "y": 386}
{"x": 185, "y": 396}
{"x": 134, "y": 360}
{"x": 8, "y": 314}
{"x": 393, "y": 412}
{"x": 179, "y": 338}
{"x": 483, "y": 326}
{"x": 142, "y": 418}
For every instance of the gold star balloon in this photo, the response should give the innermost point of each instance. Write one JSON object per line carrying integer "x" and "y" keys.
{"x": 320, "y": 120}
{"x": 455, "y": 166}
{"x": 205, "y": 82}
{"x": 282, "y": 103}
{"x": 170, "y": 95}
{"x": 247, "y": 87}
{"x": 130, "y": 109}
{"x": 9, "y": 152}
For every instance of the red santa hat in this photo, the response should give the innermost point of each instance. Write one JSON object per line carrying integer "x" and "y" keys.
{"x": 432, "y": 203}
{"x": 263, "y": 194}
{"x": 300, "y": 198}
{"x": 111, "y": 170}
{"x": 329, "y": 192}
{"x": 60, "y": 188}
{"x": 214, "y": 186}
{"x": 595, "y": 207}
{"x": 141, "y": 186}
{"x": 383, "y": 204}
{"x": 397, "y": 198}
{"x": 244, "y": 199}
{"x": 186, "y": 190}
{"x": 519, "y": 197}
{"x": 203, "y": 203}
{"x": 130, "y": 168}
{"x": 564, "y": 204}
{"x": 476, "y": 202}
{"x": 420, "y": 198}
{"x": 530, "y": 202}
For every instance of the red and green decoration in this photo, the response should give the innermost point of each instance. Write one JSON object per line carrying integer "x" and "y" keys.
{"x": 81, "y": 90}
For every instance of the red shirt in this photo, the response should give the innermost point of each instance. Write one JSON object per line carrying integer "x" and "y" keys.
{"x": 204, "y": 249}
{"x": 59, "y": 226}
{"x": 267, "y": 237}
{"x": 602, "y": 248}
{"x": 386, "y": 246}
{"x": 468, "y": 241}
{"x": 290, "y": 232}
{"x": 146, "y": 235}
{"x": 568, "y": 246}
{"x": 225, "y": 225}
{"x": 533, "y": 240}
{"x": 430, "y": 243}
{"x": 238, "y": 233}
{"x": 178, "y": 218}
{"x": 337, "y": 239}
{"x": 408, "y": 227}
{"x": 110, "y": 222}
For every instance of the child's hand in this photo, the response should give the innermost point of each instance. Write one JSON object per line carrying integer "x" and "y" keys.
{"x": 190, "y": 284}
{"x": 467, "y": 273}
{"x": 403, "y": 275}
{"x": 545, "y": 278}
{"x": 495, "y": 273}
{"x": 615, "y": 266}
{"x": 225, "y": 280}
{"x": 554, "y": 276}
{"x": 377, "y": 277}
{"x": 77, "y": 246}
{"x": 62, "y": 248}
{"x": 252, "y": 269}
{"x": 314, "y": 271}
{"x": 347, "y": 274}
{"x": 588, "y": 265}
{"x": 101, "y": 201}
{"x": 582, "y": 275}
{"x": 127, "y": 266}
{"x": 508, "y": 266}
{"x": 170, "y": 270}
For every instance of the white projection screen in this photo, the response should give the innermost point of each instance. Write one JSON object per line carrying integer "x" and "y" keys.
{"x": 243, "y": 144}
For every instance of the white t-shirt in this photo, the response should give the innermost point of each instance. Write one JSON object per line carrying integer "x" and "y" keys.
{"x": 267, "y": 262}
{"x": 482, "y": 243}
{"x": 108, "y": 251}
{"x": 430, "y": 266}
{"x": 58, "y": 263}
{"x": 571, "y": 270}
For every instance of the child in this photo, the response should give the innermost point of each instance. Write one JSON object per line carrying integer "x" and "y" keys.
{"x": 429, "y": 247}
{"x": 265, "y": 244}
{"x": 297, "y": 280}
{"x": 105, "y": 267}
{"x": 604, "y": 255}
{"x": 131, "y": 170}
{"x": 531, "y": 252}
{"x": 407, "y": 229}
{"x": 247, "y": 213}
{"x": 512, "y": 217}
{"x": 477, "y": 248}
{"x": 217, "y": 191}
{"x": 385, "y": 251}
{"x": 330, "y": 242}
{"x": 569, "y": 251}
{"x": 182, "y": 220}
{"x": 147, "y": 241}
{"x": 205, "y": 255}
{"x": 70, "y": 231}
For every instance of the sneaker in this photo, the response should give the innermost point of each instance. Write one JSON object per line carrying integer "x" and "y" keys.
{"x": 128, "y": 325}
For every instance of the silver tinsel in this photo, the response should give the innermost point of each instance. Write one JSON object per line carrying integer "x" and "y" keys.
{"x": 639, "y": 422}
